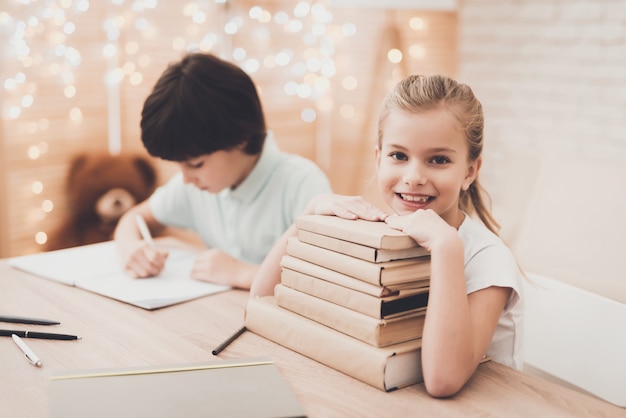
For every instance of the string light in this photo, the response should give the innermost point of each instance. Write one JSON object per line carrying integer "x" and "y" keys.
{"x": 308, "y": 115}
{"x": 417, "y": 23}
{"x": 394, "y": 55}
{"x": 41, "y": 35}
{"x": 57, "y": 19}
{"x": 56, "y": 22}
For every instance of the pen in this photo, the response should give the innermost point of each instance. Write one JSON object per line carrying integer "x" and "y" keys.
{"x": 25, "y": 320}
{"x": 30, "y": 355}
{"x": 228, "y": 341}
{"x": 143, "y": 229}
{"x": 32, "y": 334}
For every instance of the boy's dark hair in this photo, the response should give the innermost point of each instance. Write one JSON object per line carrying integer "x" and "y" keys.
{"x": 199, "y": 105}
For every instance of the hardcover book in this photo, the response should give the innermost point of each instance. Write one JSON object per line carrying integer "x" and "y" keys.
{"x": 372, "y": 234}
{"x": 350, "y": 282}
{"x": 374, "y": 255}
{"x": 379, "y": 274}
{"x": 377, "y": 307}
{"x": 373, "y": 331}
{"x": 387, "y": 368}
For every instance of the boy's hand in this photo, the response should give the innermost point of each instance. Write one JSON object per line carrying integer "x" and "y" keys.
{"x": 348, "y": 207}
{"x": 216, "y": 266}
{"x": 143, "y": 260}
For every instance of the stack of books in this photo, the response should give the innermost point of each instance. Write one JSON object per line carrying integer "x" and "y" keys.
{"x": 353, "y": 296}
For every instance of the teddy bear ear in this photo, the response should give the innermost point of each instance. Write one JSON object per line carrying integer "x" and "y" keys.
{"x": 147, "y": 170}
{"x": 76, "y": 165}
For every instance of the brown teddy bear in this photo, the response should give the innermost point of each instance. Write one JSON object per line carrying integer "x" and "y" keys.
{"x": 100, "y": 189}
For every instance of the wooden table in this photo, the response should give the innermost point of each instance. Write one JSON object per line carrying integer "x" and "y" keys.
{"x": 115, "y": 334}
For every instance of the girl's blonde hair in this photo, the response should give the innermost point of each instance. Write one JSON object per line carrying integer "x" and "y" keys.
{"x": 419, "y": 93}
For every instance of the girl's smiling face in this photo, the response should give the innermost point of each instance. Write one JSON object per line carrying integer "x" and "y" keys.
{"x": 423, "y": 163}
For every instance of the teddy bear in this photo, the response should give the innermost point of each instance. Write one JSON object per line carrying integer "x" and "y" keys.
{"x": 100, "y": 188}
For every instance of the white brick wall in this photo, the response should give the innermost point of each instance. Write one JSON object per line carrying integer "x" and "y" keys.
{"x": 551, "y": 75}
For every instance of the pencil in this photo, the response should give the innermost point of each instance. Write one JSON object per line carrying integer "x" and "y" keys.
{"x": 143, "y": 229}
{"x": 228, "y": 341}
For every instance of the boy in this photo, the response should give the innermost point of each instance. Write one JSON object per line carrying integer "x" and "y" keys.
{"x": 235, "y": 188}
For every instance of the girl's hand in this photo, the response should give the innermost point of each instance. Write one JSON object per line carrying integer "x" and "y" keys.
{"x": 426, "y": 227}
{"x": 348, "y": 207}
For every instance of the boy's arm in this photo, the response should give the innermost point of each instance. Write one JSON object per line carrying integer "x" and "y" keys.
{"x": 216, "y": 266}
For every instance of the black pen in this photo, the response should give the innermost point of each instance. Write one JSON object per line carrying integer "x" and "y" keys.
{"x": 32, "y": 334}
{"x": 228, "y": 341}
{"x": 25, "y": 320}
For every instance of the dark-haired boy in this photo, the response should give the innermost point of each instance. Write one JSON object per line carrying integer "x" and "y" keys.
{"x": 235, "y": 188}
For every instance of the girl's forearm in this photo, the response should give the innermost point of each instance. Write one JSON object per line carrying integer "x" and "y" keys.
{"x": 268, "y": 274}
{"x": 447, "y": 353}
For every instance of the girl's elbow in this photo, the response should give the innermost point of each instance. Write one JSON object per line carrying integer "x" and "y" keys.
{"x": 442, "y": 389}
{"x": 442, "y": 386}
{"x": 445, "y": 376}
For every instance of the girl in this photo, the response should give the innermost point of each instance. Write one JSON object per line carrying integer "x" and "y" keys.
{"x": 430, "y": 139}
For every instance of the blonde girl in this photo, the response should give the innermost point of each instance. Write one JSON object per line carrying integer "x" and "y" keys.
{"x": 428, "y": 156}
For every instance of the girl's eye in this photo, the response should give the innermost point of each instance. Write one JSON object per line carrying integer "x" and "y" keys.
{"x": 196, "y": 165}
{"x": 439, "y": 159}
{"x": 397, "y": 155}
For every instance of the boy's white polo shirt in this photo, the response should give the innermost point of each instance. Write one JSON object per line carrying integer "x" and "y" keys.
{"x": 247, "y": 221}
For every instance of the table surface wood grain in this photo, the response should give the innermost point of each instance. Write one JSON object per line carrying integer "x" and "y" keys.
{"x": 115, "y": 334}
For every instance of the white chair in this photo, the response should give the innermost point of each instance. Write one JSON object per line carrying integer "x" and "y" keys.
{"x": 576, "y": 336}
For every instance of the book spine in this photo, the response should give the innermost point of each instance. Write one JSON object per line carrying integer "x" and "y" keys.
{"x": 322, "y": 344}
{"x": 339, "y": 295}
{"x": 363, "y": 252}
{"x": 353, "y": 267}
{"x": 332, "y": 276}
{"x": 376, "y": 332}
{"x": 334, "y": 244}
{"x": 352, "y": 323}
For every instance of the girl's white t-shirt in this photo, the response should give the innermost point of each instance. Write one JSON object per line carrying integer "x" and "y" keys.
{"x": 489, "y": 262}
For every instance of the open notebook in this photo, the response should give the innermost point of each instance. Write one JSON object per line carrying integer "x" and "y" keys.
{"x": 97, "y": 268}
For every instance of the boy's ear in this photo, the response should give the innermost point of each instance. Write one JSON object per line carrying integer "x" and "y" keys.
{"x": 472, "y": 173}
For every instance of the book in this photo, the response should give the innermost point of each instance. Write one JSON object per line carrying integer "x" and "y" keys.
{"x": 375, "y": 255}
{"x": 97, "y": 268}
{"x": 372, "y": 234}
{"x": 387, "y": 368}
{"x": 376, "y": 307}
{"x": 379, "y": 274}
{"x": 373, "y": 331}
{"x": 350, "y": 282}
{"x": 251, "y": 387}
